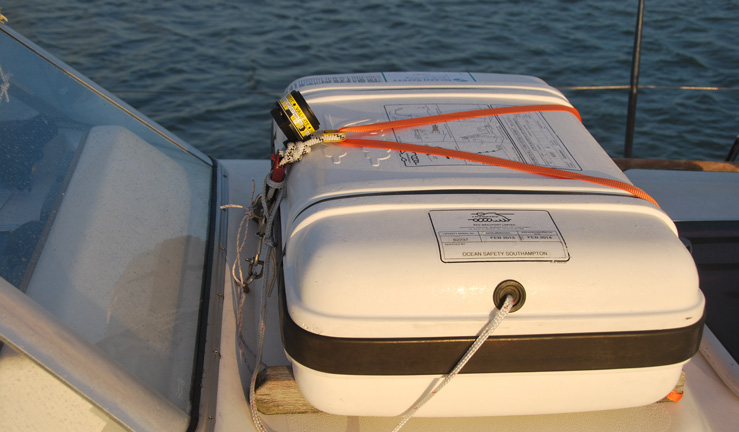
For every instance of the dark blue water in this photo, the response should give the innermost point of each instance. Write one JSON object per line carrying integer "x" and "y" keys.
{"x": 210, "y": 71}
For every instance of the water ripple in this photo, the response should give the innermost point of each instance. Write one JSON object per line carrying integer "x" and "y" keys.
{"x": 210, "y": 71}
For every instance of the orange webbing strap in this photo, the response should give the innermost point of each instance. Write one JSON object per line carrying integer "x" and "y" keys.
{"x": 490, "y": 160}
{"x": 420, "y": 121}
{"x": 475, "y": 157}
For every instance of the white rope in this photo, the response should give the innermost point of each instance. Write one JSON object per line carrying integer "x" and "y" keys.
{"x": 296, "y": 150}
{"x": 241, "y": 241}
{"x": 486, "y": 331}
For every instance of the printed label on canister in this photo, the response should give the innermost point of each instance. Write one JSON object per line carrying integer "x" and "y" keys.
{"x": 492, "y": 235}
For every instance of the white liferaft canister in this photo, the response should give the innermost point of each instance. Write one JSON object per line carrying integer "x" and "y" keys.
{"x": 391, "y": 260}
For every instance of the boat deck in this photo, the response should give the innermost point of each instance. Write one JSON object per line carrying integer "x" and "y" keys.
{"x": 708, "y": 403}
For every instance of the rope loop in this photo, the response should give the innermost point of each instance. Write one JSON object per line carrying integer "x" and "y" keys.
{"x": 270, "y": 202}
{"x": 296, "y": 150}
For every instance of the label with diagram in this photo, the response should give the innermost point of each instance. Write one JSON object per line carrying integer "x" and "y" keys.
{"x": 491, "y": 235}
{"x": 524, "y": 137}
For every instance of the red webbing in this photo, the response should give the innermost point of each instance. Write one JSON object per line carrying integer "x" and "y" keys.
{"x": 475, "y": 157}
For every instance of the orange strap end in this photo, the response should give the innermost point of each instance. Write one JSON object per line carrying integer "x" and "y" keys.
{"x": 674, "y": 396}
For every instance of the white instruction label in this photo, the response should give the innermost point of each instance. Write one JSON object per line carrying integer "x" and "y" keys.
{"x": 490, "y": 235}
{"x": 524, "y": 137}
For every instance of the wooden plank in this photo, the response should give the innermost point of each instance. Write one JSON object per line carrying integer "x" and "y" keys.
{"x": 681, "y": 165}
{"x": 277, "y": 393}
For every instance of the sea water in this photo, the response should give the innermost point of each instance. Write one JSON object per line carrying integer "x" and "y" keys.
{"x": 210, "y": 71}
